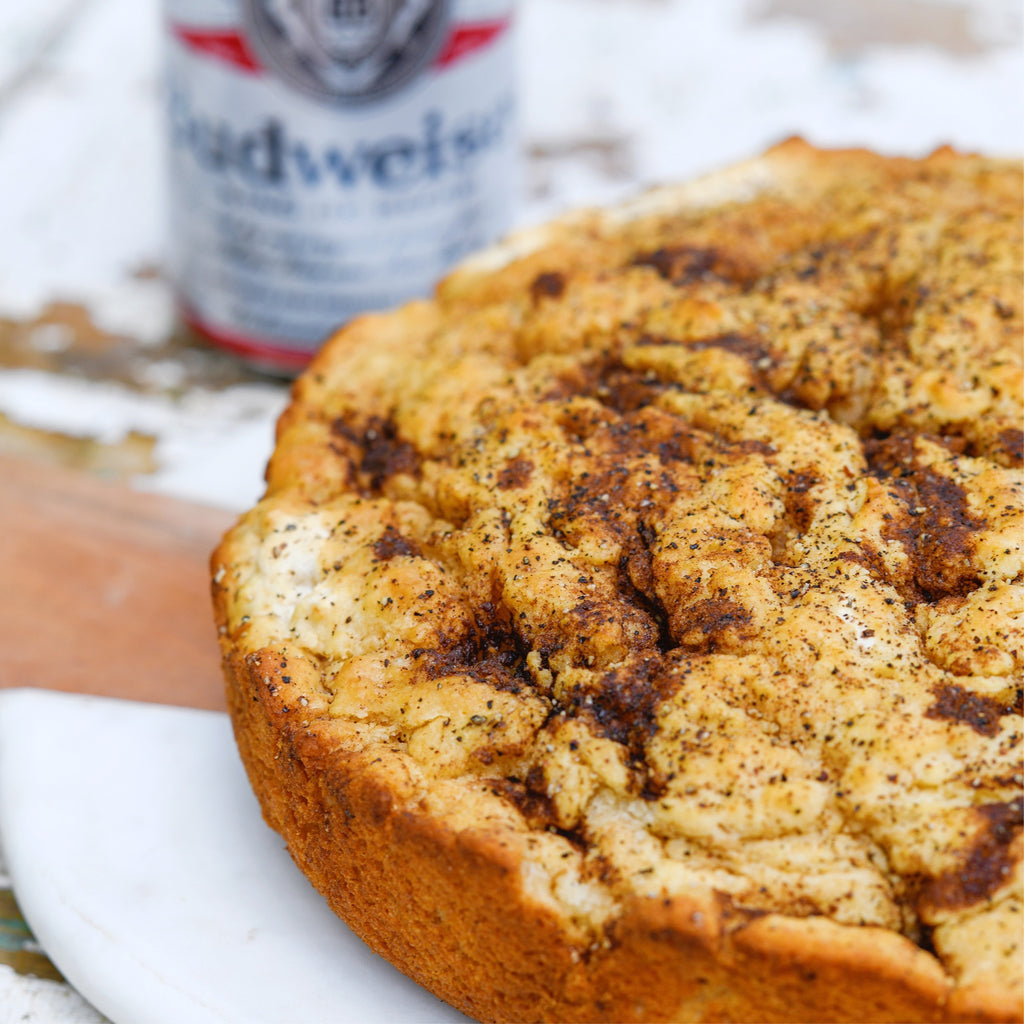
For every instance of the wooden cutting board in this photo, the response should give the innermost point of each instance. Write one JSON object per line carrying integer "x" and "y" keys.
{"x": 104, "y": 590}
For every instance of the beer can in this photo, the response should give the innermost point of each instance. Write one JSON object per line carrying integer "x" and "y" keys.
{"x": 330, "y": 157}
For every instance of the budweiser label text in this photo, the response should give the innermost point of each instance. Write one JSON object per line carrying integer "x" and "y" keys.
{"x": 331, "y": 158}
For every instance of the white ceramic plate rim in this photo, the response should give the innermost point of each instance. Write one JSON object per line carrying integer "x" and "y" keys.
{"x": 139, "y": 857}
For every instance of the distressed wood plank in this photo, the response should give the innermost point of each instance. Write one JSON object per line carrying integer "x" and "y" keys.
{"x": 105, "y": 590}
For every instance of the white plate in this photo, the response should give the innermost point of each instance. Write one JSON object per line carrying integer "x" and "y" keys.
{"x": 139, "y": 857}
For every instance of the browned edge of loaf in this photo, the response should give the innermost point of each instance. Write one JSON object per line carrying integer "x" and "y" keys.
{"x": 448, "y": 908}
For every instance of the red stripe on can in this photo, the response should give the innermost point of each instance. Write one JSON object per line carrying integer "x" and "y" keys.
{"x": 232, "y": 48}
{"x": 464, "y": 39}
{"x": 227, "y": 45}
{"x": 266, "y": 354}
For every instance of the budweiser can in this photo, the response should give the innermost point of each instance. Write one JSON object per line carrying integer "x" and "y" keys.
{"x": 329, "y": 157}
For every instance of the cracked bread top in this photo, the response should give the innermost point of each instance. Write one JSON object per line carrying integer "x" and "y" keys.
{"x": 681, "y": 546}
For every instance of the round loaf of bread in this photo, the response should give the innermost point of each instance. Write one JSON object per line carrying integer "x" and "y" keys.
{"x": 633, "y": 632}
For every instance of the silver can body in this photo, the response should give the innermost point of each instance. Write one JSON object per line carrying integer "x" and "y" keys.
{"x": 331, "y": 157}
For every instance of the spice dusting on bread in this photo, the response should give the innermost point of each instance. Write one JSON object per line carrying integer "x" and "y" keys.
{"x": 634, "y": 630}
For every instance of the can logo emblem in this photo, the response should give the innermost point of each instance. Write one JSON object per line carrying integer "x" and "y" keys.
{"x": 347, "y": 51}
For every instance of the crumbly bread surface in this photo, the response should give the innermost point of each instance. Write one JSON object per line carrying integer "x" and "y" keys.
{"x": 634, "y": 631}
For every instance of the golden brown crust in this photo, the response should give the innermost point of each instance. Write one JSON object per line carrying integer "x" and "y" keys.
{"x": 426, "y": 898}
{"x": 633, "y": 632}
